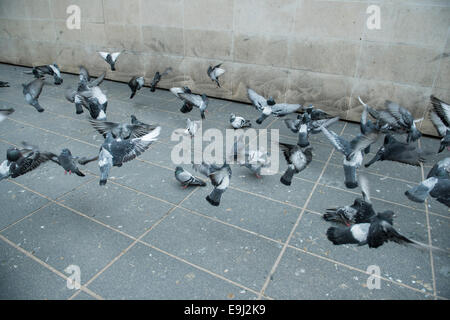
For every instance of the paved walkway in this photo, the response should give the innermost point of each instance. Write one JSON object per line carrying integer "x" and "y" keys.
{"x": 143, "y": 237}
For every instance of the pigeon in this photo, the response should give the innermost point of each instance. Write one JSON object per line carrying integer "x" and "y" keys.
{"x": 305, "y": 126}
{"x": 278, "y": 110}
{"x": 255, "y": 161}
{"x": 259, "y": 101}
{"x": 191, "y": 127}
{"x": 67, "y": 161}
{"x": 215, "y": 72}
{"x": 122, "y": 131}
{"x": 352, "y": 151}
{"x": 110, "y": 58}
{"x": 135, "y": 84}
{"x": 394, "y": 150}
{"x": 317, "y": 114}
{"x": 115, "y": 152}
{"x": 440, "y": 117}
{"x": 74, "y": 97}
{"x": 220, "y": 178}
{"x": 19, "y": 162}
{"x": 437, "y": 184}
{"x": 97, "y": 103}
{"x": 85, "y": 81}
{"x": 238, "y": 122}
{"x": 4, "y": 84}
{"x": 157, "y": 78}
{"x": 297, "y": 158}
{"x": 396, "y": 119}
{"x": 50, "y": 69}
{"x": 366, "y": 125}
{"x": 187, "y": 106}
{"x": 196, "y": 100}
{"x": 5, "y": 112}
{"x": 187, "y": 179}
{"x": 31, "y": 91}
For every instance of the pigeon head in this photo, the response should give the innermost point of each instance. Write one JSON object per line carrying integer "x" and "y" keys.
{"x": 13, "y": 154}
{"x": 178, "y": 169}
{"x": 270, "y": 101}
{"x": 232, "y": 117}
{"x": 66, "y": 152}
{"x": 186, "y": 89}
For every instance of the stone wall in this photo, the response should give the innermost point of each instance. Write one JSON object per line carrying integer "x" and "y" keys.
{"x": 299, "y": 51}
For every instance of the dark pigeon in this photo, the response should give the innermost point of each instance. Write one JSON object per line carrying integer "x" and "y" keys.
{"x": 157, "y": 78}
{"x": 31, "y": 92}
{"x": 135, "y": 84}
{"x": 297, "y": 158}
{"x": 215, "y": 72}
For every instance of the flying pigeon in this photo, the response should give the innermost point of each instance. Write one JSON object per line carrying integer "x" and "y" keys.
{"x": 110, "y": 58}
{"x": 67, "y": 161}
{"x": 215, "y": 72}
{"x": 396, "y": 119}
{"x": 278, "y": 110}
{"x": 255, "y": 161}
{"x": 157, "y": 78}
{"x": 297, "y": 158}
{"x": 352, "y": 151}
{"x": 122, "y": 130}
{"x": 394, "y": 150}
{"x": 31, "y": 91}
{"x": 115, "y": 152}
{"x": 440, "y": 117}
{"x": 4, "y": 113}
{"x": 238, "y": 122}
{"x": 191, "y": 127}
{"x": 135, "y": 84}
{"x": 317, "y": 114}
{"x": 50, "y": 69}
{"x": 4, "y": 84}
{"x": 19, "y": 162}
{"x": 187, "y": 179}
{"x": 187, "y": 106}
{"x": 196, "y": 100}
{"x": 85, "y": 81}
{"x": 259, "y": 101}
{"x": 220, "y": 178}
{"x": 305, "y": 126}
{"x": 366, "y": 125}
{"x": 437, "y": 184}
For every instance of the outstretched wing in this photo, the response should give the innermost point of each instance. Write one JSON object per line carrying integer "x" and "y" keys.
{"x": 138, "y": 145}
{"x": 103, "y": 126}
{"x": 381, "y": 232}
{"x": 338, "y": 142}
{"x": 258, "y": 101}
{"x": 194, "y": 99}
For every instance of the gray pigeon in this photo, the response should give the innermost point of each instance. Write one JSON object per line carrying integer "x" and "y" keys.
{"x": 259, "y": 101}
{"x": 135, "y": 84}
{"x": 238, "y": 122}
{"x": 187, "y": 179}
{"x": 50, "y": 69}
{"x": 122, "y": 130}
{"x": 278, "y": 110}
{"x": 4, "y": 113}
{"x": 67, "y": 161}
{"x": 220, "y": 178}
{"x": 31, "y": 91}
{"x": 440, "y": 117}
{"x": 196, "y": 100}
{"x": 215, "y": 72}
{"x": 110, "y": 58}
{"x": 297, "y": 158}
{"x": 187, "y": 106}
{"x": 305, "y": 126}
{"x": 157, "y": 78}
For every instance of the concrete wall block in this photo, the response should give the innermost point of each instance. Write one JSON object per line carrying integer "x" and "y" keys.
{"x": 269, "y": 50}
{"x": 208, "y": 44}
{"x": 322, "y": 55}
{"x": 163, "y": 40}
{"x": 42, "y": 30}
{"x": 123, "y": 37}
{"x": 168, "y": 13}
{"x": 208, "y": 15}
{"x": 15, "y": 29}
{"x": 91, "y": 10}
{"x": 123, "y": 12}
{"x": 13, "y": 9}
{"x": 37, "y": 9}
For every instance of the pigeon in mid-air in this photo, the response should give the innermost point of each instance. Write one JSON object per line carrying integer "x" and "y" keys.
{"x": 50, "y": 69}
{"x": 254, "y": 160}
{"x": 440, "y": 117}
{"x": 5, "y": 112}
{"x": 31, "y": 91}
{"x": 259, "y": 101}
{"x": 220, "y": 178}
{"x": 352, "y": 151}
{"x": 238, "y": 122}
{"x": 110, "y": 58}
{"x": 437, "y": 184}
{"x": 157, "y": 78}
{"x": 187, "y": 179}
{"x": 297, "y": 158}
{"x": 196, "y": 100}
{"x": 135, "y": 84}
{"x": 396, "y": 119}
{"x": 4, "y": 84}
{"x": 67, "y": 161}
{"x": 215, "y": 72}
{"x": 394, "y": 150}
{"x": 316, "y": 113}
{"x": 366, "y": 125}
{"x": 278, "y": 110}
{"x": 19, "y": 162}
{"x": 122, "y": 130}
{"x": 191, "y": 127}
{"x": 304, "y": 126}
{"x": 187, "y": 106}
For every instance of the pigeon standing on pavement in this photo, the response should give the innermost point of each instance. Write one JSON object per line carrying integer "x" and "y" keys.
{"x": 215, "y": 72}
{"x": 220, "y": 178}
{"x": 50, "y": 69}
{"x": 187, "y": 106}
{"x": 110, "y": 58}
{"x": 67, "y": 161}
{"x": 4, "y": 113}
{"x": 297, "y": 158}
{"x": 187, "y": 179}
{"x": 440, "y": 117}
{"x": 31, "y": 91}
{"x": 135, "y": 84}
{"x": 196, "y": 100}
{"x": 238, "y": 122}
{"x": 157, "y": 78}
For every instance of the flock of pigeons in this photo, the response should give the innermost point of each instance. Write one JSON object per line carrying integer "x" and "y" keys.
{"x": 358, "y": 223}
